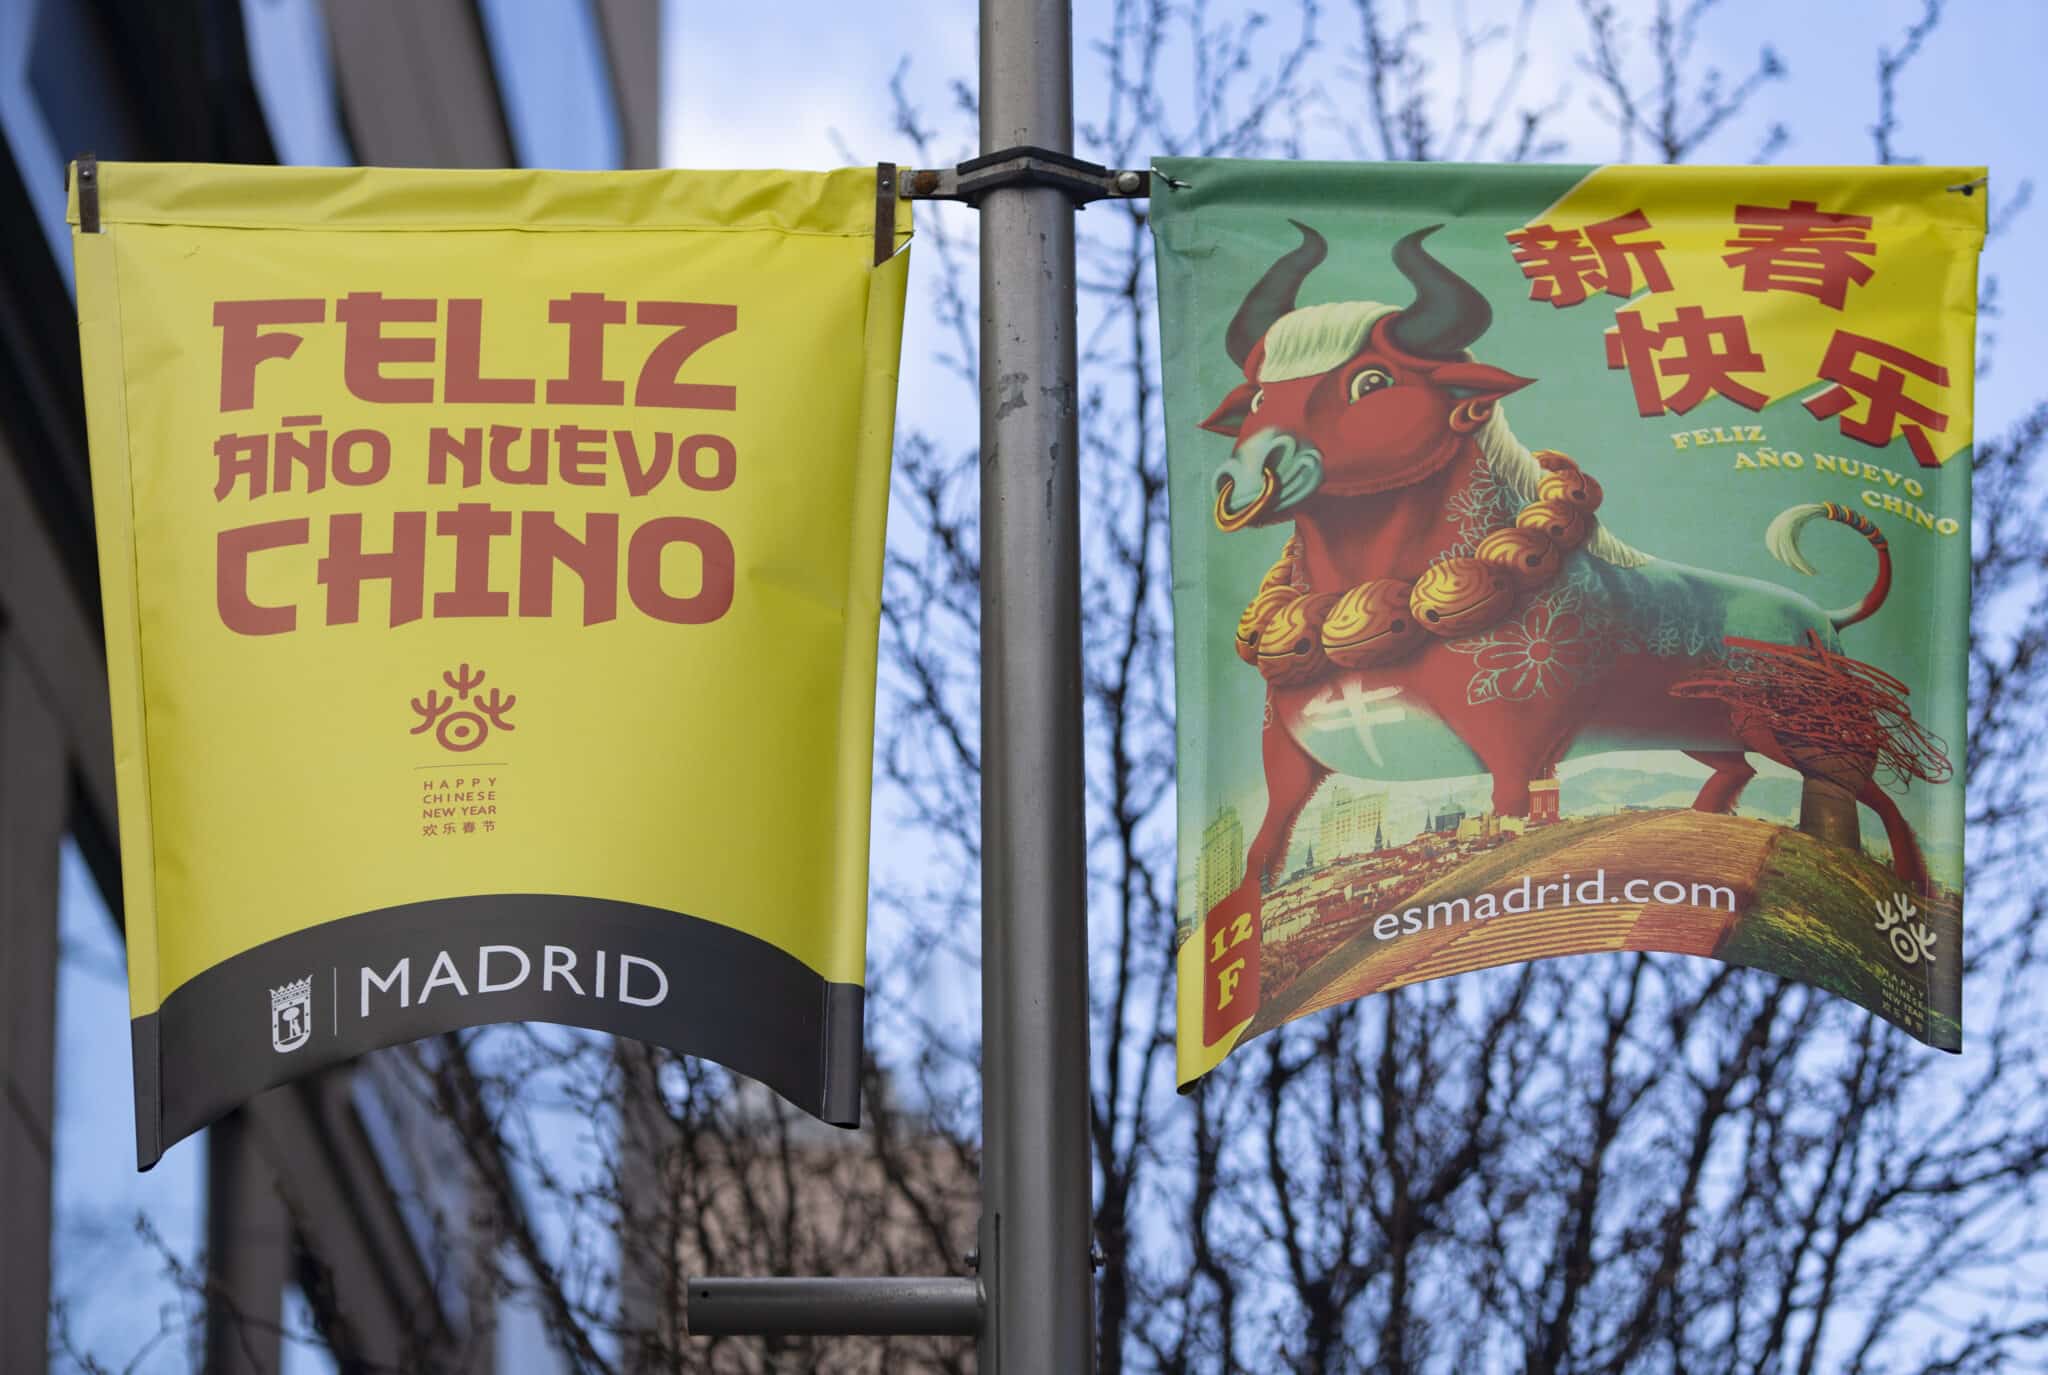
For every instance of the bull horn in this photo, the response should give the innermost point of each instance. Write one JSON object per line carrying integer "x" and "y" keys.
{"x": 1448, "y": 312}
{"x": 1274, "y": 295}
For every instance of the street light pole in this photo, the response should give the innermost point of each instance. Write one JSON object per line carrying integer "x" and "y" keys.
{"x": 1032, "y": 1307}
{"x": 1036, "y": 1178}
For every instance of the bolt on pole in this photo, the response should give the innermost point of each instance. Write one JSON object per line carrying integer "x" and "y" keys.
{"x": 1036, "y": 1179}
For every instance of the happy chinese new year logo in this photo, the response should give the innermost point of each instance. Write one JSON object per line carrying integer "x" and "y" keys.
{"x": 463, "y": 721}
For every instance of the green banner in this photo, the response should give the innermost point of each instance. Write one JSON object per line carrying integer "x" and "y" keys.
{"x": 1566, "y": 559}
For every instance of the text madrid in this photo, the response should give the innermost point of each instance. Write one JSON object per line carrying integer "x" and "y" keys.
{"x": 504, "y": 968}
{"x": 1530, "y": 896}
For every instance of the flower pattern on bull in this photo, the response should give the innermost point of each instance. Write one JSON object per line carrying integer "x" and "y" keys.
{"x": 1678, "y": 632}
{"x": 1563, "y": 638}
{"x": 1484, "y": 504}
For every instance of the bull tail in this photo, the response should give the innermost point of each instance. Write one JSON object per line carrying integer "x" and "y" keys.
{"x": 1782, "y": 539}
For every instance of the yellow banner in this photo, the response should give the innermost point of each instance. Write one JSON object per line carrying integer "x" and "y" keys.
{"x": 491, "y": 566}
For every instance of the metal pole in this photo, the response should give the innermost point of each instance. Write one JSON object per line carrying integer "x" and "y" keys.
{"x": 936, "y": 1306}
{"x": 1036, "y": 1180}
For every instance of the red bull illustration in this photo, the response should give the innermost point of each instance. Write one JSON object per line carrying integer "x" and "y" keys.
{"x": 1461, "y": 632}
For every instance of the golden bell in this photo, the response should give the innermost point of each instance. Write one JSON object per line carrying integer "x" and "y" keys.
{"x": 1290, "y": 647}
{"x": 1567, "y": 525}
{"x": 1525, "y": 555}
{"x": 1269, "y": 600}
{"x": 1572, "y": 487}
{"x": 1371, "y": 624}
{"x": 1458, "y": 596}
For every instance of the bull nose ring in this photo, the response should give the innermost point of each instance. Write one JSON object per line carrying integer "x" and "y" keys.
{"x": 1226, "y": 520}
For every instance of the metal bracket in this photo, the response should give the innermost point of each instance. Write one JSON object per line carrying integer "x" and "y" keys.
{"x": 929, "y": 1306}
{"x": 887, "y": 174}
{"x": 88, "y": 194}
{"x": 1084, "y": 182}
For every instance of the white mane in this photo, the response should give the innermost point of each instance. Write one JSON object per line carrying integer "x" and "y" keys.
{"x": 1514, "y": 465}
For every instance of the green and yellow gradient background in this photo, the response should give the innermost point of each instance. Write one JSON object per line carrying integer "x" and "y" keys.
{"x": 1220, "y": 231}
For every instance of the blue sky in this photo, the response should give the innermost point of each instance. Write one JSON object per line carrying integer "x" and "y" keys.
{"x": 1975, "y": 95}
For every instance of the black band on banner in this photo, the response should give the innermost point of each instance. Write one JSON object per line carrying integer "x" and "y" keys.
{"x": 334, "y": 991}
{"x": 149, "y": 1117}
{"x": 885, "y": 212}
{"x": 88, "y": 193}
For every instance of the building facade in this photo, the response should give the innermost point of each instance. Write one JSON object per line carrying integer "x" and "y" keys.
{"x": 1351, "y": 823}
{"x": 301, "y": 1210}
{"x": 1221, "y": 864}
